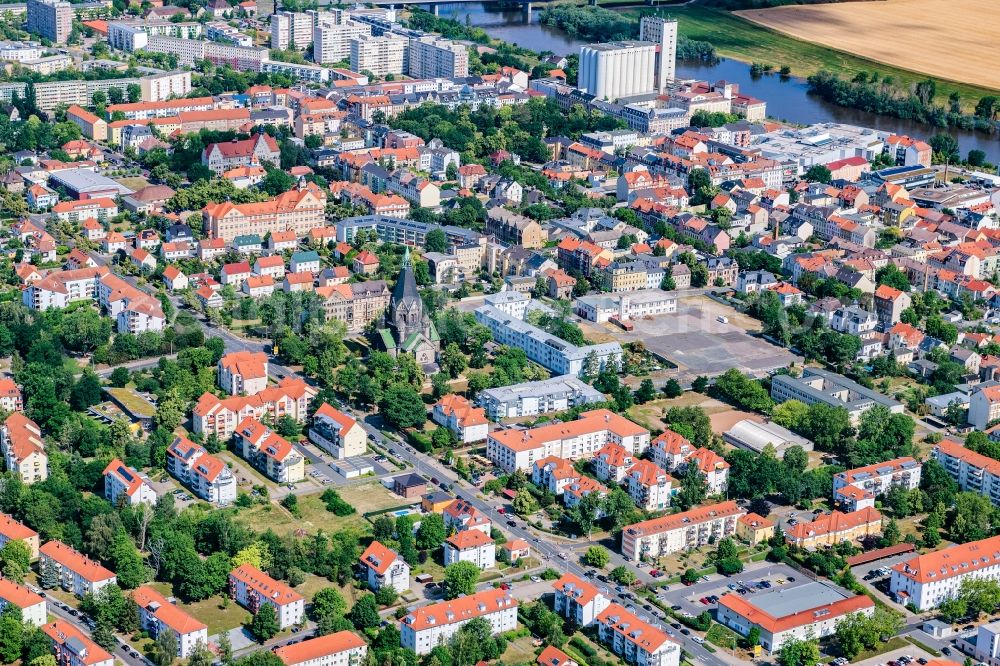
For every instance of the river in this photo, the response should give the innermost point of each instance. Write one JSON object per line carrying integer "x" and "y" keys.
{"x": 787, "y": 99}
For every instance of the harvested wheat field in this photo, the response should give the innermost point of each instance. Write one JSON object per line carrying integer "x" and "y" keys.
{"x": 949, "y": 39}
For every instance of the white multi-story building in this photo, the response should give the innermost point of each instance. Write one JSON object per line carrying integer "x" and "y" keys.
{"x": 617, "y": 69}
{"x": 613, "y": 462}
{"x": 426, "y": 627}
{"x": 77, "y": 573}
{"x": 23, "y": 448}
{"x": 337, "y": 433}
{"x": 649, "y": 486}
{"x": 808, "y": 612}
{"x": 433, "y": 57}
{"x": 663, "y": 33}
{"x": 385, "y": 568}
{"x": 533, "y": 398}
{"x": 582, "y": 438}
{"x": 578, "y": 601}
{"x": 927, "y": 580}
{"x": 73, "y": 648}
{"x": 332, "y": 41}
{"x": 984, "y": 407}
{"x": 32, "y": 606}
{"x": 203, "y": 473}
{"x": 342, "y": 648}
{"x": 250, "y": 587}
{"x": 470, "y": 546}
{"x": 853, "y": 320}
{"x": 268, "y": 452}
{"x": 379, "y": 55}
{"x": 973, "y": 471}
{"x": 543, "y": 348}
{"x": 121, "y": 482}
{"x": 689, "y": 529}
{"x": 635, "y": 641}
{"x": 242, "y": 372}
{"x": 160, "y": 87}
{"x": 158, "y": 614}
{"x": 623, "y": 307}
{"x": 212, "y": 416}
{"x": 292, "y": 30}
{"x": 874, "y": 480}
{"x": 20, "y": 51}
{"x": 12, "y": 530}
{"x": 554, "y": 474}
{"x": 458, "y": 415}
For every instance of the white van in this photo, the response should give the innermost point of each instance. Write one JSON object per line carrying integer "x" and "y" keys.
{"x": 722, "y": 319}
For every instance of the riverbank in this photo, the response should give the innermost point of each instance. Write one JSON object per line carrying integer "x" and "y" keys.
{"x": 737, "y": 38}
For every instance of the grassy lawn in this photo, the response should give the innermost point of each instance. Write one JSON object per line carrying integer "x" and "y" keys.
{"x": 737, "y": 38}
{"x": 314, "y": 584}
{"x": 892, "y": 644}
{"x": 211, "y": 611}
{"x": 521, "y": 651}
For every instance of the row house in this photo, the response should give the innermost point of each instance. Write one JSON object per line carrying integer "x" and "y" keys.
{"x": 77, "y": 573}
{"x": 973, "y": 471}
{"x": 219, "y": 417}
{"x": 100, "y": 209}
{"x": 31, "y": 605}
{"x": 580, "y": 438}
{"x": 252, "y": 588}
{"x": 930, "y": 579}
{"x": 206, "y": 475}
{"x": 269, "y": 452}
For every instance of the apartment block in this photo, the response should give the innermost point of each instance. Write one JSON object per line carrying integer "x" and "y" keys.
{"x": 242, "y": 372}
{"x": 649, "y": 486}
{"x": 337, "y": 433}
{"x": 268, "y": 452}
{"x": 23, "y": 448}
{"x": 680, "y": 531}
{"x": 291, "y": 30}
{"x": 161, "y": 87}
{"x": 52, "y": 19}
{"x": 212, "y": 416}
{"x": 816, "y": 385}
{"x": 299, "y": 210}
{"x": 32, "y": 606}
{"x": 435, "y": 57}
{"x": 635, "y": 641}
{"x": 77, "y": 573}
{"x": 157, "y": 614}
{"x": 332, "y": 41}
{"x": 458, "y": 415}
{"x": 207, "y": 476}
{"x": 874, "y": 480}
{"x": 73, "y": 648}
{"x": 426, "y": 627}
{"x": 470, "y": 546}
{"x": 342, "y": 648}
{"x": 90, "y": 125}
{"x": 379, "y": 55}
{"x": 973, "y": 471}
{"x": 384, "y": 567}
{"x": 927, "y": 580}
{"x": 578, "y": 601}
{"x": 830, "y": 529}
{"x": 582, "y": 438}
{"x": 122, "y": 483}
{"x": 251, "y": 588}
{"x": 541, "y": 397}
{"x": 12, "y": 530}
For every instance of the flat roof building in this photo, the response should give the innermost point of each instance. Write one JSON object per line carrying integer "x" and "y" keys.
{"x": 556, "y": 394}
{"x": 817, "y": 385}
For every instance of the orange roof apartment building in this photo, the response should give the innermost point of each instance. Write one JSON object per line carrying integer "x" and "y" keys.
{"x": 250, "y": 587}
{"x": 220, "y": 417}
{"x": 23, "y": 448}
{"x": 157, "y": 614}
{"x": 426, "y": 627}
{"x": 77, "y": 573}
{"x": 832, "y": 528}
{"x": 927, "y": 580}
{"x": 13, "y": 530}
{"x": 689, "y": 529}
{"x": 73, "y": 648}
{"x": 338, "y": 649}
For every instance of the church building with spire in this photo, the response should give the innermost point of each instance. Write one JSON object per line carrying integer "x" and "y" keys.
{"x": 408, "y": 329}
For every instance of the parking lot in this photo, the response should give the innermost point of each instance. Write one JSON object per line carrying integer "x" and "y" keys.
{"x": 688, "y": 599}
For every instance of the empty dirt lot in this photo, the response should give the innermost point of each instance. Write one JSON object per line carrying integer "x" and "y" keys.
{"x": 950, "y": 39}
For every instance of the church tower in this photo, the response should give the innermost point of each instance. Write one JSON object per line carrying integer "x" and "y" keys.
{"x": 406, "y": 308}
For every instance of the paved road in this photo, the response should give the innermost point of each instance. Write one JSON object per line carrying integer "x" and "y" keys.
{"x": 62, "y": 614}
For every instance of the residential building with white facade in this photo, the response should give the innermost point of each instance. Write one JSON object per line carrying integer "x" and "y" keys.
{"x": 461, "y": 516}
{"x": 13, "y": 530}
{"x": 73, "y": 648}
{"x": 635, "y": 641}
{"x": 927, "y": 580}
{"x": 250, "y": 587}
{"x": 689, "y": 529}
{"x": 649, "y": 486}
{"x": 342, "y": 648}
{"x": 122, "y": 483}
{"x": 384, "y": 567}
{"x": 457, "y": 414}
{"x": 612, "y": 462}
{"x": 470, "y": 546}
{"x": 268, "y": 452}
{"x": 433, "y": 57}
{"x": 556, "y": 394}
{"x": 807, "y": 612}
{"x": 337, "y": 433}
{"x": 973, "y": 471}
{"x": 242, "y": 372}
{"x": 332, "y": 41}
{"x": 206, "y": 475}
{"x": 292, "y": 30}
{"x": 426, "y": 627}
{"x": 157, "y": 614}
{"x": 23, "y": 448}
{"x": 578, "y": 601}
{"x": 875, "y": 480}
{"x": 379, "y": 55}
{"x": 581, "y": 438}
{"x": 32, "y": 606}
{"x": 77, "y": 573}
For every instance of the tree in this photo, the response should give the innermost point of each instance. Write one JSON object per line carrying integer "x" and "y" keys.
{"x": 525, "y": 504}
{"x": 15, "y": 560}
{"x": 693, "y": 488}
{"x": 436, "y": 241}
{"x": 402, "y": 407}
{"x": 890, "y": 533}
{"x": 165, "y": 647}
{"x": 673, "y": 389}
{"x": 364, "y": 614}
{"x": 453, "y": 360}
{"x": 972, "y": 518}
{"x": 225, "y": 648}
{"x": 689, "y": 577}
{"x": 119, "y": 377}
{"x": 818, "y": 173}
{"x": 460, "y": 578}
{"x": 49, "y": 575}
{"x": 892, "y": 276}
{"x": 797, "y": 652}
{"x": 945, "y": 148}
{"x": 327, "y": 602}
{"x": 700, "y": 384}
{"x": 431, "y": 532}
{"x": 128, "y": 563}
{"x": 622, "y": 575}
{"x": 646, "y": 392}
{"x": 264, "y": 624}
{"x": 12, "y": 634}
{"x": 597, "y": 556}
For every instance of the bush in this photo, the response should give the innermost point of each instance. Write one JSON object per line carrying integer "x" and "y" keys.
{"x": 583, "y": 647}
{"x": 420, "y": 441}
{"x": 334, "y": 504}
